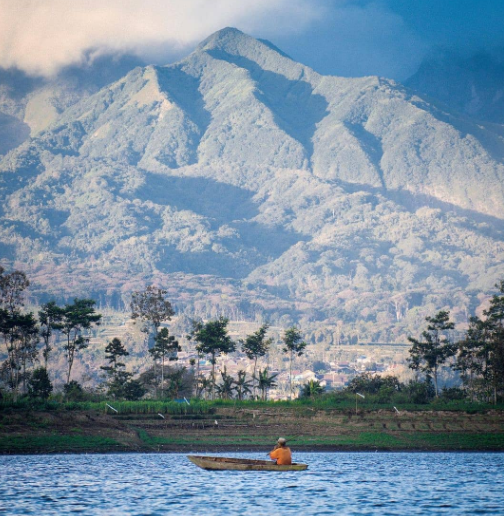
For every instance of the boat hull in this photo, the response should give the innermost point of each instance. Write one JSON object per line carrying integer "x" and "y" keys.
{"x": 228, "y": 463}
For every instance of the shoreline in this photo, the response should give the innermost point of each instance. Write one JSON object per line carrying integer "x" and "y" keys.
{"x": 233, "y": 431}
{"x": 234, "y": 449}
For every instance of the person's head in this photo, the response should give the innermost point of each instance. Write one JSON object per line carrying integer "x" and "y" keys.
{"x": 281, "y": 441}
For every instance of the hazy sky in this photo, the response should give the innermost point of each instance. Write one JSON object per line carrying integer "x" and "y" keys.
{"x": 339, "y": 37}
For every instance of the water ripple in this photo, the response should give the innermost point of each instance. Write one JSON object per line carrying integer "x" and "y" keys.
{"x": 336, "y": 483}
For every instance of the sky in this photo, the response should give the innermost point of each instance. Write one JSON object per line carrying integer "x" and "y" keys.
{"x": 389, "y": 38}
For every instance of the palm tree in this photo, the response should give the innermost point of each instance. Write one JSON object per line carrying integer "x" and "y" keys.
{"x": 265, "y": 382}
{"x": 203, "y": 385}
{"x": 243, "y": 386}
{"x": 311, "y": 389}
{"x": 225, "y": 389}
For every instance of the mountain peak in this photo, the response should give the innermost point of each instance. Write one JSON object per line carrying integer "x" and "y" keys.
{"x": 236, "y": 42}
{"x": 222, "y": 38}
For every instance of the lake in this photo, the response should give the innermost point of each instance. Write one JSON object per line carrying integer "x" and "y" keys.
{"x": 335, "y": 483}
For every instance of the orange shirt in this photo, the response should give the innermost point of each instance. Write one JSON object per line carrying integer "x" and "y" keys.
{"x": 283, "y": 455}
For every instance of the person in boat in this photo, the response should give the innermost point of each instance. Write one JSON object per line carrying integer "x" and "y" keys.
{"x": 281, "y": 453}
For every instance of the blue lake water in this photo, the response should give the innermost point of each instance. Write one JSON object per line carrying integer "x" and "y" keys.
{"x": 335, "y": 483}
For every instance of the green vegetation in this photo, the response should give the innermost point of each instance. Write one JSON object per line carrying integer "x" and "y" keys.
{"x": 317, "y": 423}
{"x": 343, "y": 402}
{"x": 293, "y": 346}
{"x": 152, "y": 308}
{"x": 428, "y": 355}
{"x": 213, "y": 340}
{"x": 256, "y": 346}
{"x": 479, "y": 356}
{"x": 77, "y": 318}
{"x": 56, "y": 443}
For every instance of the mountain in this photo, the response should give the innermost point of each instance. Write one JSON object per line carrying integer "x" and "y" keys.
{"x": 247, "y": 184}
{"x": 29, "y": 105}
{"x": 471, "y": 85}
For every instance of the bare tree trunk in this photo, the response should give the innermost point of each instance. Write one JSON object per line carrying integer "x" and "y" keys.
{"x": 290, "y": 377}
{"x": 197, "y": 392}
{"x": 162, "y": 376}
{"x": 213, "y": 377}
{"x": 435, "y": 382}
{"x": 254, "y": 387}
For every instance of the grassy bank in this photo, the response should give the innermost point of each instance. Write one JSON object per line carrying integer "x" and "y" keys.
{"x": 49, "y": 427}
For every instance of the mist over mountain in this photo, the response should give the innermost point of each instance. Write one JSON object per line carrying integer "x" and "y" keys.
{"x": 29, "y": 105}
{"x": 471, "y": 85}
{"x": 247, "y": 184}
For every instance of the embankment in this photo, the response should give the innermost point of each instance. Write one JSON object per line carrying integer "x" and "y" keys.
{"x": 240, "y": 429}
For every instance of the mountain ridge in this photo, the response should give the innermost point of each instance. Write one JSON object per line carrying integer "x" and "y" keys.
{"x": 240, "y": 178}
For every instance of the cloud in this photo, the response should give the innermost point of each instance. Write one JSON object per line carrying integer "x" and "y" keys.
{"x": 40, "y": 37}
{"x": 339, "y": 37}
{"x": 356, "y": 39}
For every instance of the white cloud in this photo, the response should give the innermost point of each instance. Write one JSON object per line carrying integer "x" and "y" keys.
{"x": 41, "y": 36}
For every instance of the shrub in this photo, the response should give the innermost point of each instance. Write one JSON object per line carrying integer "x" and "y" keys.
{"x": 453, "y": 393}
{"x": 73, "y": 391}
{"x": 39, "y": 385}
{"x": 421, "y": 393}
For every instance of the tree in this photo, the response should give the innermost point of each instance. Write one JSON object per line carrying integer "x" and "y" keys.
{"x": 480, "y": 355}
{"x": 29, "y": 338}
{"x": 420, "y": 392}
{"x": 265, "y": 382}
{"x": 311, "y": 389}
{"x": 226, "y": 388}
{"x": 18, "y": 330}
{"x": 372, "y": 384}
{"x": 243, "y": 386}
{"x": 113, "y": 353}
{"x": 134, "y": 390}
{"x": 20, "y": 334}
{"x": 320, "y": 367}
{"x": 50, "y": 317}
{"x": 256, "y": 345}
{"x": 474, "y": 357}
{"x": 118, "y": 377}
{"x": 117, "y": 384}
{"x": 73, "y": 391}
{"x": 77, "y": 318}
{"x": 495, "y": 318}
{"x": 12, "y": 287}
{"x": 199, "y": 381}
{"x": 165, "y": 346}
{"x": 39, "y": 385}
{"x": 294, "y": 346}
{"x": 428, "y": 355}
{"x": 213, "y": 340}
{"x": 203, "y": 385}
{"x": 151, "y": 307}
{"x": 179, "y": 381}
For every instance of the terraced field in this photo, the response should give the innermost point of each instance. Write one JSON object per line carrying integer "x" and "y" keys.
{"x": 246, "y": 429}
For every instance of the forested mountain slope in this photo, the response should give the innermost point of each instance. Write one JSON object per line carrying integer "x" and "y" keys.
{"x": 246, "y": 183}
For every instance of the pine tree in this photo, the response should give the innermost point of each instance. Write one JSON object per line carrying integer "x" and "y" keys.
{"x": 78, "y": 318}
{"x": 428, "y": 355}
{"x": 165, "y": 346}
{"x": 116, "y": 370}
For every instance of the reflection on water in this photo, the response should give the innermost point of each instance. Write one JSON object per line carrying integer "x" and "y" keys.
{"x": 335, "y": 483}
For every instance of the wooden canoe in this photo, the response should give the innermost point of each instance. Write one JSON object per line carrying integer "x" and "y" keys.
{"x": 228, "y": 463}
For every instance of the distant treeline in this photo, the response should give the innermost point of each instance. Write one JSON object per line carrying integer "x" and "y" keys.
{"x": 29, "y": 339}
